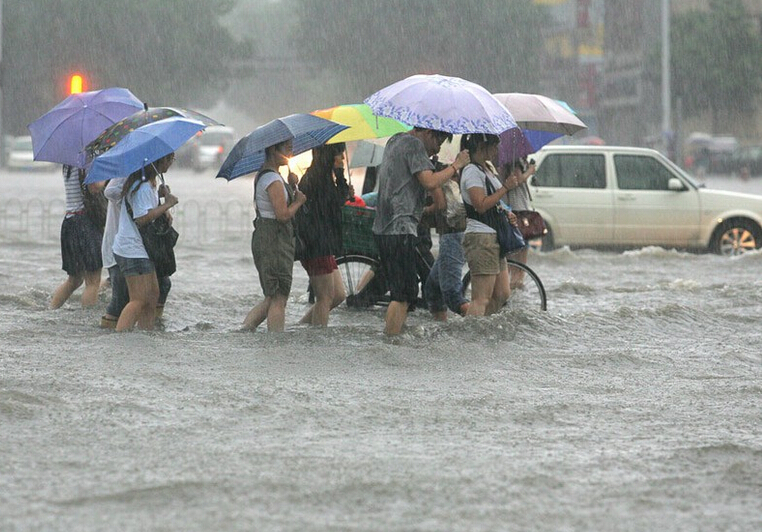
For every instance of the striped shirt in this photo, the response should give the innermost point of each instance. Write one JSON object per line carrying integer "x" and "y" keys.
{"x": 75, "y": 201}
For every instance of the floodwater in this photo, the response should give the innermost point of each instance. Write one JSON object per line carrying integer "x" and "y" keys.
{"x": 633, "y": 403}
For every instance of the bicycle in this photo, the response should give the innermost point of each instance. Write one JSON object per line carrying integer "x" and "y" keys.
{"x": 359, "y": 268}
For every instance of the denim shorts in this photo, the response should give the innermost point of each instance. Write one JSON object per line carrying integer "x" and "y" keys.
{"x": 132, "y": 267}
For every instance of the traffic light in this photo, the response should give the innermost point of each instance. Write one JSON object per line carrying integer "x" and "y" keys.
{"x": 76, "y": 84}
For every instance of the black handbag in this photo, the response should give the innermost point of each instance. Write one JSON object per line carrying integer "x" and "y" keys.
{"x": 159, "y": 239}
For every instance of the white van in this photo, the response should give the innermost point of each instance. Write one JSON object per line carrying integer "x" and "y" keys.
{"x": 621, "y": 197}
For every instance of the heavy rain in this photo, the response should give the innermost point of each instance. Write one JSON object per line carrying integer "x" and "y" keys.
{"x": 631, "y": 401}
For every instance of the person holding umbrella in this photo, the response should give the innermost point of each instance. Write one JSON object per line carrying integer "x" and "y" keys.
{"x": 272, "y": 243}
{"x": 59, "y": 136}
{"x": 319, "y": 224}
{"x": 273, "y": 246}
{"x": 80, "y": 244}
{"x": 140, "y": 206}
{"x": 404, "y": 176}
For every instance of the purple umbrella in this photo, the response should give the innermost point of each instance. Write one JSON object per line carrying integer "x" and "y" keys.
{"x": 513, "y": 145}
{"x": 60, "y": 134}
{"x": 442, "y": 103}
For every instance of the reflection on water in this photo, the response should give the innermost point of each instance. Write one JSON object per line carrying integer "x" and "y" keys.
{"x": 632, "y": 404}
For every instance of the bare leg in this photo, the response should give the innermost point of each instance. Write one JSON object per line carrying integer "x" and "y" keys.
{"x": 396, "y": 314}
{"x": 144, "y": 292}
{"x": 335, "y": 285}
{"x": 92, "y": 287}
{"x": 481, "y": 293}
{"x": 339, "y": 293}
{"x": 257, "y": 315}
{"x": 500, "y": 293}
{"x": 517, "y": 276}
{"x": 65, "y": 291}
{"x": 276, "y": 314}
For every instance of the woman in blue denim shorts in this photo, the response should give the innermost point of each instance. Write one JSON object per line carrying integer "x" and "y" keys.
{"x": 141, "y": 192}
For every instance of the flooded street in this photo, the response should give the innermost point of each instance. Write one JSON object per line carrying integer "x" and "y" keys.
{"x": 633, "y": 403}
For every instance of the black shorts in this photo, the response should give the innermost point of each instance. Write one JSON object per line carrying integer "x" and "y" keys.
{"x": 398, "y": 259}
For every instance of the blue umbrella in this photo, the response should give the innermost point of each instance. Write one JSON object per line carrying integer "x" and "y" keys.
{"x": 143, "y": 146}
{"x": 307, "y": 132}
{"x": 60, "y": 134}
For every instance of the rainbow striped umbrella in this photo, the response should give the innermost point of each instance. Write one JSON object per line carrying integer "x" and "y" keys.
{"x": 363, "y": 124}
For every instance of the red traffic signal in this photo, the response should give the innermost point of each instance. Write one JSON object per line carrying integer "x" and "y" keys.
{"x": 76, "y": 84}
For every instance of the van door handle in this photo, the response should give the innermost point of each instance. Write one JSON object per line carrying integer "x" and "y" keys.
{"x": 626, "y": 197}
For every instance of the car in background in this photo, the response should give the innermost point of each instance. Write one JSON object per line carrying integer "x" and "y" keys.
{"x": 748, "y": 159}
{"x": 19, "y": 155}
{"x": 623, "y": 197}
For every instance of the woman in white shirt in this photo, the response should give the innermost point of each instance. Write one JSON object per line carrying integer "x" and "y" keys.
{"x": 489, "y": 275}
{"x": 272, "y": 243}
{"x": 141, "y": 193}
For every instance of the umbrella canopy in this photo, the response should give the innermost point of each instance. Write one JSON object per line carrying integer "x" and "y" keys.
{"x": 306, "y": 130}
{"x": 143, "y": 146}
{"x": 514, "y": 144}
{"x": 60, "y": 134}
{"x": 538, "y": 112}
{"x": 541, "y": 120}
{"x": 443, "y": 103}
{"x": 366, "y": 154}
{"x": 109, "y": 137}
{"x": 363, "y": 124}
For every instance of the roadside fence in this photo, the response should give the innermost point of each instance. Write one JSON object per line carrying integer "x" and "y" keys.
{"x": 197, "y": 222}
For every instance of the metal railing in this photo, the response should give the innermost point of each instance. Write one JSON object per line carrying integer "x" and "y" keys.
{"x": 197, "y": 222}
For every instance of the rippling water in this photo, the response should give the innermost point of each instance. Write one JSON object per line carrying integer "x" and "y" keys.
{"x": 634, "y": 403}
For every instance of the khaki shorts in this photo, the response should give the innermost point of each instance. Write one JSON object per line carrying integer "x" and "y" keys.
{"x": 483, "y": 254}
{"x": 272, "y": 246}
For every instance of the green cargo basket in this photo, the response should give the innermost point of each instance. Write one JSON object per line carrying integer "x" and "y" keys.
{"x": 357, "y": 231}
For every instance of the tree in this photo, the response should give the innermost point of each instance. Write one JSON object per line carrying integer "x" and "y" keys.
{"x": 371, "y": 44}
{"x": 167, "y": 52}
{"x": 715, "y": 60}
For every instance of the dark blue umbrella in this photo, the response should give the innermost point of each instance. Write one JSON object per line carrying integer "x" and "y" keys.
{"x": 142, "y": 146}
{"x": 307, "y": 132}
{"x": 60, "y": 134}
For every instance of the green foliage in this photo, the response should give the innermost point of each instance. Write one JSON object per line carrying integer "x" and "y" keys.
{"x": 715, "y": 59}
{"x": 373, "y": 43}
{"x": 167, "y": 52}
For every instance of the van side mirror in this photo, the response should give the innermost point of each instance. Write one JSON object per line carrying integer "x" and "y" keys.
{"x": 675, "y": 184}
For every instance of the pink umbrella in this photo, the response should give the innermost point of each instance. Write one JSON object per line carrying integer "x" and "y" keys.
{"x": 541, "y": 120}
{"x": 538, "y": 112}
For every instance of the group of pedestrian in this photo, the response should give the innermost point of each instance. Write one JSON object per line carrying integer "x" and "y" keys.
{"x": 137, "y": 295}
{"x": 301, "y": 220}
{"x": 406, "y": 175}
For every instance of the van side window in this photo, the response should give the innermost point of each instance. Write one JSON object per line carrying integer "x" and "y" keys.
{"x": 571, "y": 171}
{"x": 638, "y": 172}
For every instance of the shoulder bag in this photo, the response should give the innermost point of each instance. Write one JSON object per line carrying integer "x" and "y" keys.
{"x": 159, "y": 239}
{"x": 508, "y": 236}
{"x": 531, "y": 223}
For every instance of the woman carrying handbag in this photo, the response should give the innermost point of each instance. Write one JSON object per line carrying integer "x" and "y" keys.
{"x": 482, "y": 193}
{"x": 514, "y": 176}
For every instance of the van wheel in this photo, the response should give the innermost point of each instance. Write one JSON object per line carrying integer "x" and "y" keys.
{"x": 736, "y": 237}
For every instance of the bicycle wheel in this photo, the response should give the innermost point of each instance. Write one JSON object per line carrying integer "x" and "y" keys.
{"x": 529, "y": 294}
{"x": 358, "y": 272}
